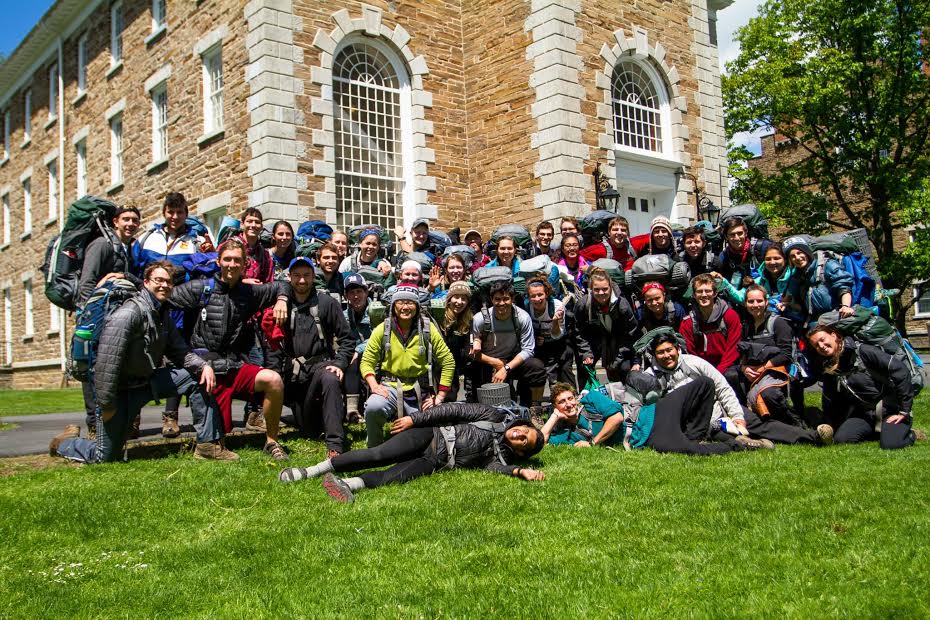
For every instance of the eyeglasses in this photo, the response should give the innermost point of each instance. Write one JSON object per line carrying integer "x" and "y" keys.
{"x": 162, "y": 281}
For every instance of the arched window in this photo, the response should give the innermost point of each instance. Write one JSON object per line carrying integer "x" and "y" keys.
{"x": 640, "y": 108}
{"x": 373, "y": 144}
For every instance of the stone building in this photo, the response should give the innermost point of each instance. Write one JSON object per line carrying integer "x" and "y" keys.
{"x": 468, "y": 113}
{"x": 777, "y": 151}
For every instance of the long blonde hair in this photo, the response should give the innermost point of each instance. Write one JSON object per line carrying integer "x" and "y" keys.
{"x": 461, "y": 324}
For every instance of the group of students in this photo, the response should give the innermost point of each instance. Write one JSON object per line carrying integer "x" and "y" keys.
{"x": 345, "y": 334}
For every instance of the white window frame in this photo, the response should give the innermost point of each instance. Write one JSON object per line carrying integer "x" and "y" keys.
{"x": 6, "y": 135}
{"x": 53, "y": 92}
{"x": 82, "y": 64}
{"x": 27, "y": 205}
{"x": 664, "y": 111}
{"x": 917, "y": 313}
{"x": 160, "y": 122}
{"x": 28, "y": 309}
{"x": 116, "y": 149}
{"x": 80, "y": 155}
{"x": 5, "y": 200}
{"x": 407, "y": 211}
{"x": 214, "y": 219}
{"x": 213, "y": 100}
{"x": 54, "y": 319}
{"x": 8, "y": 324}
{"x": 27, "y": 117}
{"x": 52, "y": 190}
{"x": 159, "y": 14}
{"x": 116, "y": 33}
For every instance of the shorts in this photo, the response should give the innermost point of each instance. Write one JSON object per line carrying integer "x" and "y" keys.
{"x": 239, "y": 383}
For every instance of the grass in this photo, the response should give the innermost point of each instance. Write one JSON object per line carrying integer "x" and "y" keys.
{"x": 34, "y": 402}
{"x": 798, "y": 532}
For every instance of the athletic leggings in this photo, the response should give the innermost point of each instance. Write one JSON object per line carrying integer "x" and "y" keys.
{"x": 408, "y": 452}
{"x": 682, "y": 420}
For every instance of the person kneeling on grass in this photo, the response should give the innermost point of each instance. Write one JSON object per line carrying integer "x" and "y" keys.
{"x": 129, "y": 372}
{"x": 447, "y": 436}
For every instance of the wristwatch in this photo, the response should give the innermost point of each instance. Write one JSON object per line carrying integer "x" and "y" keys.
{"x": 507, "y": 368}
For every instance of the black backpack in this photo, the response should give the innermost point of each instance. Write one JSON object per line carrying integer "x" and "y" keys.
{"x": 88, "y": 218}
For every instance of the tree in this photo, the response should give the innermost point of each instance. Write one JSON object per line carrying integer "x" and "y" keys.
{"x": 847, "y": 83}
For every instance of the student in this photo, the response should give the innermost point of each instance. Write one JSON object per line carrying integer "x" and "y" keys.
{"x": 129, "y": 372}
{"x": 105, "y": 260}
{"x": 820, "y": 288}
{"x": 454, "y": 269}
{"x": 553, "y": 345}
{"x": 696, "y": 251}
{"x": 284, "y": 247}
{"x": 856, "y": 378}
{"x": 740, "y": 257}
{"x": 356, "y": 314}
{"x": 545, "y": 233}
{"x": 572, "y": 260}
{"x": 226, "y": 340}
{"x": 340, "y": 241}
{"x": 404, "y": 356}
{"x": 311, "y": 365}
{"x": 456, "y": 330}
{"x": 367, "y": 255}
{"x": 328, "y": 278}
{"x": 761, "y": 378}
{"x": 504, "y": 346}
{"x": 473, "y": 240}
{"x": 507, "y": 255}
{"x": 448, "y": 436}
{"x": 175, "y": 242}
{"x": 661, "y": 240}
{"x": 607, "y": 326}
{"x": 569, "y": 225}
{"x": 657, "y": 310}
{"x": 572, "y": 424}
{"x": 259, "y": 267}
{"x": 616, "y": 246}
{"x": 712, "y": 328}
{"x": 419, "y": 240}
{"x": 776, "y": 277}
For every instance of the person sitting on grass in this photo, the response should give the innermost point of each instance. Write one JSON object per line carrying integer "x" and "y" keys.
{"x": 447, "y": 436}
{"x": 222, "y": 332}
{"x": 857, "y": 377}
{"x": 404, "y": 355}
{"x": 130, "y": 371}
{"x": 571, "y": 423}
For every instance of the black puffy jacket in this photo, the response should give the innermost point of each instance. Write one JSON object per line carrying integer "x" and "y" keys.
{"x": 134, "y": 340}
{"x": 223, "y": 328}
{"x": 474, "y": 447}
{"x": 865, "y": 376}
{"x": 612, "y": 345}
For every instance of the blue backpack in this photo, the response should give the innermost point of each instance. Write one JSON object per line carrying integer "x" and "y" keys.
{"x": 89, "y": 324}
{"x": 200, "y": 265}
{"x": 315, "y": 229}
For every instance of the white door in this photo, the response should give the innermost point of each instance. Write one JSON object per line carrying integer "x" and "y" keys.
{"x": 638, "y": 207}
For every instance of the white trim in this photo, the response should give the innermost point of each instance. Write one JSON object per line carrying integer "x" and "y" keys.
{"x": 214, "y": 202}
{"x": 211, "y": 39}
{"x": 155, "y": 34}
{"x": 665, "y": 123}
{"x": 46, "y": 363}
{"x": 50, "y": 157}
{"x": 116, "y": 108}
{"x": 26, "y": 175}
{"x": 81, "y": 134}
{"x": 26, "y": 275}
{"x": 117, "y": 38}
{"x": 157, "y": 78}
{"x": 81, "y": 89}
{"x": 52, "y": 101}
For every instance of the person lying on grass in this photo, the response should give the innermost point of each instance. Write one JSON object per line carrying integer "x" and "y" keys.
{"x": 446, "y": 436}
{"x": 572, "y": 423}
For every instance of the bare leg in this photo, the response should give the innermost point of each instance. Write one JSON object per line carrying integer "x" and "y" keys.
{"x": 269, "y": 382}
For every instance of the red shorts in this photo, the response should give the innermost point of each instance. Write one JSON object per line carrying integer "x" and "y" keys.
{"x": 234, "y": 384}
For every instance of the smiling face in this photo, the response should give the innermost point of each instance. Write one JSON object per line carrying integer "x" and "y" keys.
{"x": 570, "y": 247}
{"x": 601, "y": 290}
{"x": 159, "y": 284}
{"x": 756, "y": 303}
{"x": 798, "y": 259}
{"x": 654, "y": 300}
{"x": 252, "y": 227}
{"x": 694, "y": 245}
{"x": 329, "y": 262}
{"x": 568, "y": 227}
{"x": 704, "y": 295}
{"x": 567, "y": 404}
{"x": 774, "y": 262}
{"x": 282, "y": 238}
{"x": 661, "y": 238}
{"x": 618, "y": 234}
{"x": 357, "y": 297}
{"x": 506, "y": 251}
{"x": 521, "y": 438}
{"x": 405, "y": 310}
{"x": 458, "y": 303}
{"x": 824, "y": 343}
{"x": 736, "y": 238}
{"x": 301, "y": 279}
{"x": 368, "y": 248}
{"x": 410, "y": 275}
{"x": 126, "y": 224}
{"x": 473, "y": 241}
{"x": 503, "y": 304}
{"x": 455, "y": 269}
{"x": 341, "y": 241}
{"x": 231, "y": 262}
{"x": 666, "y": 355}
{"x": 537, "y": 294}
{"x": 420, "y": 234}
{"x": 544, "y": 237}
{"x": 174, "y": 219}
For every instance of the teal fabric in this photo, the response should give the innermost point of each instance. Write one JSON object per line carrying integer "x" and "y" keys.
{"x": 643, "y": 427}
{"x": 594, "y": 401}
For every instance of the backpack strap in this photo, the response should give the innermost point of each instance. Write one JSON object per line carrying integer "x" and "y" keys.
{"x": 205, "y": 293}
{"x": 498, "y": 429}
{"x": 609, "y": 250}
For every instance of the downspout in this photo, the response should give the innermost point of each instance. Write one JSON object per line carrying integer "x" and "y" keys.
{"x": 62, "y": 317}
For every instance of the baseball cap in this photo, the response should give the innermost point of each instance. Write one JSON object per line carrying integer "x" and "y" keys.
{"x": 418, "y": 221}
{"x": 355, "y": 280}
{"x": 302, "y": 260}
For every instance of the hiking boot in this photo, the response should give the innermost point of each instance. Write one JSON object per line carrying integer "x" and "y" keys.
{"x": 214, "y": 451}
{"x": 256, "y": 421}
{"x": 134, "y": 428}
{"x": 338, "y": 489}
{"x": 919, "y": 434}
{"x": 331, "y": 454}
{"x": 825, "y": 434}
{"x": 169, "y": 425}
{"x": 92, "y": 432}
{"x": 71, "y": 431}
{"x": 746, "y": 443}
{"x": 538, "y": 415}
{"x": 276, "y": 451}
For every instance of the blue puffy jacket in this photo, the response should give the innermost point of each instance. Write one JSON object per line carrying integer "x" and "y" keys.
{"x": 817, "y": 297}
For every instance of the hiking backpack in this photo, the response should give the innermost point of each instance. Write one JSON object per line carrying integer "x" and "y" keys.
{"x": 521, "y": 237}
{"x": 88, "y": 218}
{"x": 674, "y": 275}
{"x": 843, "y": 248}
{"x": 613, "y": 268}
{"x": 314, "y": 229}
{"x": 756, "y": 224}
{"x": 355, "y": 234}
{"x": 540, "y": 266}
{"x": 467, "y": 253}
{"x": 229, "y": 227}
{"x": 89, "y": 324}
{"x": 867, "y": 327}
{"x": 643, "y": 346}
{"x": 593, "y": 226}
{"x": 486, "y": 276}
{"x": 438, "y": 242}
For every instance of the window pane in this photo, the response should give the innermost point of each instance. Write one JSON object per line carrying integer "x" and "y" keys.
{"x": 637, "y": 108}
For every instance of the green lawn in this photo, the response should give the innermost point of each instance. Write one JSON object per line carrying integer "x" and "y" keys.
{"x": 800, "y": 532}
{"x": 31, "y": 402}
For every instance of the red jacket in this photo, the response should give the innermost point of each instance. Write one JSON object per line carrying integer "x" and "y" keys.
{"x": 716, "y": 341}
{"x": 635, "y": 247}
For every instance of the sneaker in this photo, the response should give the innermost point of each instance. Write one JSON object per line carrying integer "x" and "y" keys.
{"x": 134, "y": 428}
{"x": 331, "y": 454}
{"x": 214, "y": 451}
{"x": 256, "y": 421}
{"x": 169, "y": 425}
{"x": 825, "y": 433}
{"x": 276, "y": 451}
{"x": 71, "y": 431}
{"x": 746, "y": 443}
{"x": 338, "y": 489}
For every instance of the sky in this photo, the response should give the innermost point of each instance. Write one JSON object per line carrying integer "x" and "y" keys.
{"x": 19, "y": 16}
{"x": 728, "y": 21}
